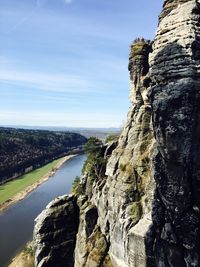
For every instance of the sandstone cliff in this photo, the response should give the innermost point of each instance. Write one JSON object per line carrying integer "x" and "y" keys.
{"x": 55, "y": 233}
{"x": 175, "y": 98}
{"x": 139, "y": 199}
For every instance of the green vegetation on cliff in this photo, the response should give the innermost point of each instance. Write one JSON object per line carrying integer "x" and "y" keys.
{"x": 77, "y": 187}
{"x": 112, "y": 138}
{"x": 92, "y": 147}
{"x": 95, "y": 163}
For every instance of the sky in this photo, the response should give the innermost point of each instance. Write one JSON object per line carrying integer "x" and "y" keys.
{"x": 64, "y": 62}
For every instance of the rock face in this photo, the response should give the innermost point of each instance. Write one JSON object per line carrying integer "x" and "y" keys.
{"x": 140, "y": 202}
{"x": 175, "y": 98}
{"x": 170, "y": 5}
{"x": 55, "y": 233}
{"x": 122, "y": 196}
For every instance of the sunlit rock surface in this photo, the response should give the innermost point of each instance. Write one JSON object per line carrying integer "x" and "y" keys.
{"x": 122, "y": 196}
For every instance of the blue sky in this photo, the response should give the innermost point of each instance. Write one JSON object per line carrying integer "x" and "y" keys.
{"x": 64, "y": 62}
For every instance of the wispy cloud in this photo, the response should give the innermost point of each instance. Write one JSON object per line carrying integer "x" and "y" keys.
{"x": 73, "y": 24}
{"x": 29, "y": 15}
{"x": 46, "y": 81}
{"x": 68, "y": 1}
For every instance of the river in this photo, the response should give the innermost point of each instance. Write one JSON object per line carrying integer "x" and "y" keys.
{"x": 16, "y": 223}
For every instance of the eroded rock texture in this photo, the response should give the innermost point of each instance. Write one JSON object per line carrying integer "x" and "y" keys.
{"x": 122, "y": 196}
{"x": 170, "y": 5}
{"x": 175, "y": 99}
{"x": 55, "y": 233}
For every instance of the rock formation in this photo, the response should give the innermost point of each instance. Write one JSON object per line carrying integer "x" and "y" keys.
{"x": 55, "y": 233}
{"x": 139, "y": 203}
{"x": 170, "y": 5}
{"x": 175, "y": 98}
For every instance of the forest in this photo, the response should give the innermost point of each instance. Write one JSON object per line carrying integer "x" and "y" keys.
{"x": 24, "y": 150}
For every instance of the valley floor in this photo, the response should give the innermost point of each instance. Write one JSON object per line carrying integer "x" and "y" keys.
{"x": 19, "y": 188}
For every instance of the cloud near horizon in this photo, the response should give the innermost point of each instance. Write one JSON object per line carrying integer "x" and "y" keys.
{"x": 60, "y": 119}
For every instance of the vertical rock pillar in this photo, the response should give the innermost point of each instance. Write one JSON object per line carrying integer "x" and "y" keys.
{"x": 175, "y": 101}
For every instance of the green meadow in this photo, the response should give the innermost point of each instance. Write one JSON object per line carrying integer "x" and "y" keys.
{"x": 11, "y": 188}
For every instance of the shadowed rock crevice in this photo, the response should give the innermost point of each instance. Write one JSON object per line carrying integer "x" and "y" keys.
{"x": 91, "y": 217}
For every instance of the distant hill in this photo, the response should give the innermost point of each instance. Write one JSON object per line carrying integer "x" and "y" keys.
{"x": 22, "y": 150}
{"x": 101, "y": 133}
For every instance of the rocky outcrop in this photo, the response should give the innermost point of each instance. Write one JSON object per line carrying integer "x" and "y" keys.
{"x": 170, "y": 5}
{"x": 122, "y": 196}
{"x": 92, "y": 245}
{"x": 175, "y": 98}
{"x": 139, "y": 202}
{"x": 55, "y": 233}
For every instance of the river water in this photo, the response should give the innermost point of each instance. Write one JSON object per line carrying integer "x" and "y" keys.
{"x": 16, "y": 224}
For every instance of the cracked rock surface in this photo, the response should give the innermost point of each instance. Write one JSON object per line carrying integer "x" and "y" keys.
{"x": 175, "y": 98}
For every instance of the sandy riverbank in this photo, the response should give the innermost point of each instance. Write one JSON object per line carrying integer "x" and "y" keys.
{"x": 25, "y": 258}
{"x": 21, "y": 195}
